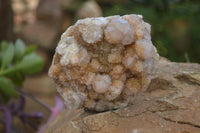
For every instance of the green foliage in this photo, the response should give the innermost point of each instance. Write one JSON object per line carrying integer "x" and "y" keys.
{"x": 175, "y": 24}
{"x": 19, "y": 49}
{"x": 30, "y": 64}
{"x": 7, "y": 56}
{"x": 15, "y": 62}
{"x": 7, "y": 89}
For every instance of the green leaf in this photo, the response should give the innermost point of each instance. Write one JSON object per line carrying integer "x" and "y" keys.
{"x": 31, "y": 49}
{"x": 7, "y": 56}
{"x": 4, "y": 45}
{"x": 19, "y": 49}
{"x": 1, "y": 55}
{"x": 5, "y": 97}
{"x": 30, "y": 64}
{"x": 17, "y": 78}
{"x": 6, "y": 88}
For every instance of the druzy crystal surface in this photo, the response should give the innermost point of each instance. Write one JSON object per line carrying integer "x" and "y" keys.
{"x": 102, "y": 63}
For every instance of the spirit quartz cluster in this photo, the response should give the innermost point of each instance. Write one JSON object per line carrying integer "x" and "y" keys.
{"x": 102, "y": 63}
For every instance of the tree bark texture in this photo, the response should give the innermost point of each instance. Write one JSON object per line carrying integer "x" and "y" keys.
{"x": 6, "y": 20}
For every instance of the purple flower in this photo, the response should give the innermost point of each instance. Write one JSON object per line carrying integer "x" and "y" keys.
{"x": 17, "y": 109}
{"x": 59, "y": 106}
{"x": 8, "y": 118}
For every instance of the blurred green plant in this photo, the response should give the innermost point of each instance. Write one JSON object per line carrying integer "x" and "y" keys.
{"x": 175, "y": 24}
{"x": 16, "y": 61}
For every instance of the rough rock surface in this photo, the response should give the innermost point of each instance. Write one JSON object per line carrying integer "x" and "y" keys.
{"x": 171, "y": 104}
{"x": 102, "y": 63}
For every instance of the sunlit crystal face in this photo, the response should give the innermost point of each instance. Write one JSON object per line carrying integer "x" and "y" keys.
{"x": 102, "y": 63}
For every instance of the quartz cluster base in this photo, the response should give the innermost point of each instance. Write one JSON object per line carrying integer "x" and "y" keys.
{"x": 102, "y": 63}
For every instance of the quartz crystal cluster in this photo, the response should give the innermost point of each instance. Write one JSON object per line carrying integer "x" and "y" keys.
{"x": 102, "y": 63}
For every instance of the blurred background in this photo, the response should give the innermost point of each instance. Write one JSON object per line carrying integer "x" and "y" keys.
{"x": 175, "y": 23}
{"x": 175, "y": 29}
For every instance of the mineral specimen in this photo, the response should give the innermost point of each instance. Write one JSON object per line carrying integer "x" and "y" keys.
{"x": 102, "y": 63}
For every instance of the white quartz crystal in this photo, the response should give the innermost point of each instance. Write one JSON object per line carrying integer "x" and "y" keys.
{"x": 102, "y": 63}
{"x": 119, "y": 31}
{"x": 101, "y": 83}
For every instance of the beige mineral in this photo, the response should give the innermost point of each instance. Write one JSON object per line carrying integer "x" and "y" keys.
{"x": 102, "y": 63}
